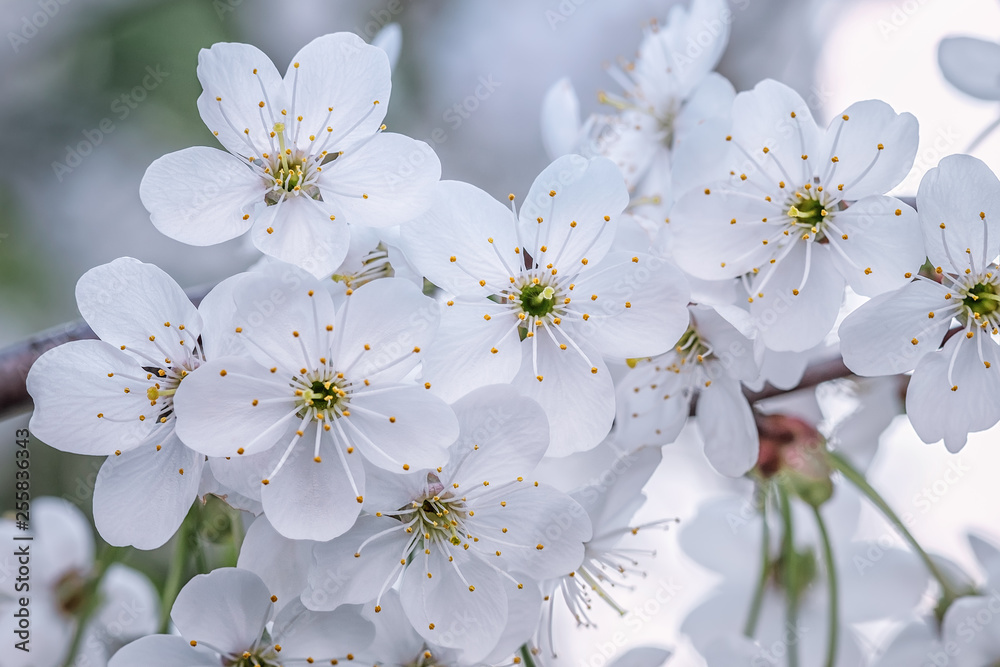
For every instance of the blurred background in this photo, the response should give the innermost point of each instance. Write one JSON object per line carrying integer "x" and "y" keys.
{"x": 91, "y": 91}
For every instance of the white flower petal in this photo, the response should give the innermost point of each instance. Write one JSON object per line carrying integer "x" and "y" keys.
{"x": 640, "y": 307}
{"x": 653, "y": 405}
{"x": 892, "y": 587}
{"x": 911, "y": 646}
{"x": 218, "y": 316}
{"x": 878, "y": 338}
{"x": 63, "y": 541}
{"x": 130, "y": 606}
{"x": 142, "y": 496}
{"x": 988, "y": 556}
{"x": 310, "y": 500}
{"x": 460, "y": 224}
{"x": 954, "y": 194}
{"x": 300, "y": 231}
{"x": 443, "y": 609}
{"x": 461, "y": 357}
{"x": 708, "y": 244}
{"x": 241, "y": 475}
{"x": 285, "y": 315}
{"x": 226, "y": 608}
{"x": 579, "y": 403}
{"x": 242, "y": 76}
{"x": 775, "y": 117}
{"x": 935, "y": 411}
{"x": 281, "y": 563}
{"x": 396, "y": 642}
{"x": 215, "y": 411}
{"x": 127, "y": 302}
{"x": 384, "y": 182}
{"x": 732, "y": 351}
{"x": 711, "y": 99}
{"x": 503, "y": 436}
{"x": 390, "y": 40}
{"x": 669, "y": 49}
{"x": 524, "y": 607}
{"x": 201, "y": 196}
{"x": 338, "y": 81}
{"x": 698, "y": 152}
{"x": 862, "y": 166}
{"x": 797, "y": 322}
{"x": 326, "y": 636}
{"x": 560, "y": 119}
{"x": 545, "y": 530}
{"x": 408, "y": 426}
{"x": 587, "y": 192}
{"x": 70, "y": 387}
{"x": 336, "y": 576}
{"x": 394, "y": 320}
{"x": 883, "y": 250}
{"x": 964, "y": 625}
{"x": 162, "y": 651}
{"x": 642, "y": 656}
{"x": 971, "y": 65}
{"x": 727, "y": 427}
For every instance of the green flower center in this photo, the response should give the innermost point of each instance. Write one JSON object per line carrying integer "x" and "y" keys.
{"x": 691, "y": 348}
{"x": 441, "y": 518}
{"x": 291, "y": 170}
{"x": 256, "y": 660}
{"x": 323, "y": 396}
{"x": 808, "y": 213}
{"x": 982, "y": 299}
{"x": 537, "y": 300}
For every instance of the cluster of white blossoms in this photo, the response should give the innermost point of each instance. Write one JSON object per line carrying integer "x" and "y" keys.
{"x": 386, "y": 395}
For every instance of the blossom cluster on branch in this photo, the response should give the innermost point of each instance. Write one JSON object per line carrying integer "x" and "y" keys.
{"x": 384, "y": 399}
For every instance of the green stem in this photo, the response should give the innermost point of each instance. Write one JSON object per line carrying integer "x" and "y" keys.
{"x": 529, "y": 660}
{"x": 750, "y": 629}
{"x": 790, "y": 565}
{"x": 858, "y": 480}
{"x": 178, "y": 564}
{"x": 832, "y": 590}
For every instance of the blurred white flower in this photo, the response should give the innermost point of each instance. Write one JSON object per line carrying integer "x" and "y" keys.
{"x": 727, "y": 530}
{"x": 671, "y": 99}
{"x": 61, "y": 585}
{"x": 307, "y": 155}
{"x": 966, "y": 636}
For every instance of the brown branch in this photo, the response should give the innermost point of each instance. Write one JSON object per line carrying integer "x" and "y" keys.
{"x": 816, "y": 373}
